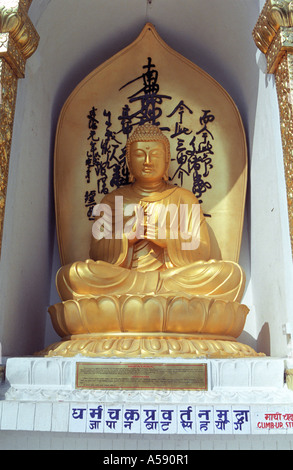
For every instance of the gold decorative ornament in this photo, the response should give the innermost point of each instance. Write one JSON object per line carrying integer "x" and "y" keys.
{"x": 18, "y": 41}
{"x": 149, "y": 325}
{"x": 146, "y": 313}
{"x": 153, "y": 269}
{"x": 273, "y": 35}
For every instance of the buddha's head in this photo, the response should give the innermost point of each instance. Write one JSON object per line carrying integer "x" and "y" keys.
{"x": 148, "y": 154}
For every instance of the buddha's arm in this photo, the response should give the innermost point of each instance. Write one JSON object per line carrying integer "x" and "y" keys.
{"x": 192, "y": 246}
{"x": 108, "y": 242}
{"x": 113, "y": 251}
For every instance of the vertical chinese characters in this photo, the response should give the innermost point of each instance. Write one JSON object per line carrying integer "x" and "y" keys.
{"x": 105, "y": 160}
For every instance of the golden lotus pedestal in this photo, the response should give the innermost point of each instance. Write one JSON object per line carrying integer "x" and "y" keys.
{"x": 149, "y": 326}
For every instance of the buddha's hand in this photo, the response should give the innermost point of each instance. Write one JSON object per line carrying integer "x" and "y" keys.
{"x": 148, "y": 223}
{"x": 155, "y": 229}
{"x": 134, "y": 228}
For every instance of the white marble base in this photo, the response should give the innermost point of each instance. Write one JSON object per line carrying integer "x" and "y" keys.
{"x": 243, "y": 396}
{"x": 54, "y": 378}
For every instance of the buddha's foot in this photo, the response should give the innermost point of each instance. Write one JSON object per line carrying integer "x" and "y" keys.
{"x": 130, "y": 345}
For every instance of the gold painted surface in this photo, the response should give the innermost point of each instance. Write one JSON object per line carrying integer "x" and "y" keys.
{"x": 182, "y": 80}
{"x": 144, "y": 293}
{"x": 146, "y": 376}
{"x": 11, "y": 54}
{"x": 145, "y": 314}
{"x": 284, "y": 81}
{"x": 144, "y": 346}
{"x": 18, "y": 41}
{"x": 8, "y": 84}
{"x": 281, "y": 44}
{"x": 14, "y": 20}
{"x": 151, "y": 270}
{"x": 275, "y": 14}
{"x": 273, "y": 35}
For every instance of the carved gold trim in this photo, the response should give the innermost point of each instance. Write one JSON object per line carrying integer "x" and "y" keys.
{"x": 19, "y": 26}
{"x": 159, "y": 314}
{"x": 149, "y": 345}
{"x": 18, "y": 41}
{"x": 273, "y": 35}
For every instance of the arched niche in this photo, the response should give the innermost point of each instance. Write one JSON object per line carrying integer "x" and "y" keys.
{"x": 150, "y": 82}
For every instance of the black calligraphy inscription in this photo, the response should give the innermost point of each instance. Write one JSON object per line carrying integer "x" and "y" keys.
{"x": 105, "y": 161}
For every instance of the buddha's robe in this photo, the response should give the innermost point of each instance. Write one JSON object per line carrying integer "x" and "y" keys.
{"x": 155, "y": 262}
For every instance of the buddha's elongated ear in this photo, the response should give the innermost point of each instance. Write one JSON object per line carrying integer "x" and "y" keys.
{"x": 166, "y": 175}
{"x": 131, "y": 178}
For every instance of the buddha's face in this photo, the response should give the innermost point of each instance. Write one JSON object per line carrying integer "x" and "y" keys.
{"x": 148, "y": 161}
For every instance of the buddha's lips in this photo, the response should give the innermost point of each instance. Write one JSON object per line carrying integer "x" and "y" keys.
{"x": 148, "y": 169}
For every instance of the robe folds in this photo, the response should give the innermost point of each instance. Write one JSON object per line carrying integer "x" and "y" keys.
{"x": 151, "y": 244}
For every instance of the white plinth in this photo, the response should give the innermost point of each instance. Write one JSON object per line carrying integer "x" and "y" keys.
{"x": 244, "y": 396}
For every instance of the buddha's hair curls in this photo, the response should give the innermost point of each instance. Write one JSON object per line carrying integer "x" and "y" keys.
{"x": 147, "y": 133}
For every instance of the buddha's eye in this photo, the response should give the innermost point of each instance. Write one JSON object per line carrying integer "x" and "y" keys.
{"x": 139, "y": 153}
{"x": 156, "y": 153}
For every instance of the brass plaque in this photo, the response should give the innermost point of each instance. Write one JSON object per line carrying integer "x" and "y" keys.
{"x": 141, "y": 376}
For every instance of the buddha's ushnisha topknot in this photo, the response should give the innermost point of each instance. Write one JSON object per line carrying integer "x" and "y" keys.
{"x": 147, "y": 132}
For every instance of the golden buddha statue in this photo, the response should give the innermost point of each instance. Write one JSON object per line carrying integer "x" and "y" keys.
{"x": 151, "y": 264}
{"x": 150, "y": 287}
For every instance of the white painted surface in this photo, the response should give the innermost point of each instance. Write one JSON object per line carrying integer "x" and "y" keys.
{"x": 244, "y": 396}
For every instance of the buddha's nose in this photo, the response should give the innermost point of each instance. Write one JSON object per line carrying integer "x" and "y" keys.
{"x": 147, "y": 159}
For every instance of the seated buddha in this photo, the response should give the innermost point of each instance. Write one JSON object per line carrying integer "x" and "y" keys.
{"x": 150, "y": 237}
